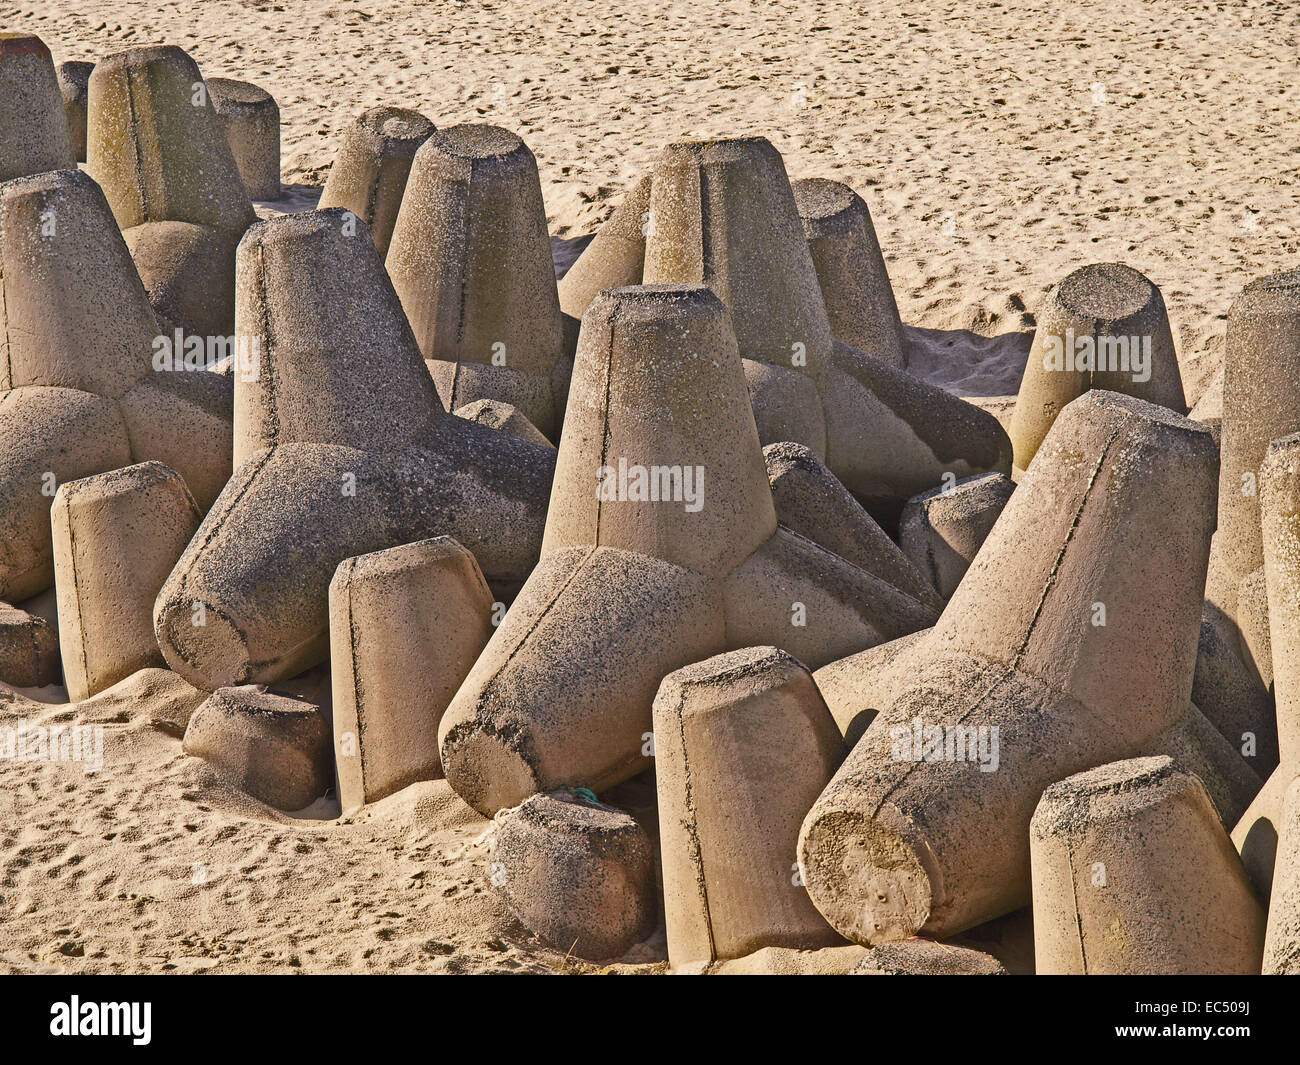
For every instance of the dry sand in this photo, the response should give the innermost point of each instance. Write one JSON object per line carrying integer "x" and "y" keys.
{"x": 999, "y": 147}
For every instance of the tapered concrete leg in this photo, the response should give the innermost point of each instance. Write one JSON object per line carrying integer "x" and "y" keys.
{"x": 47, "y": 436}
{"x": 1133, "y": 874}
{"x": 579, "y": 874}
{"x": 1231, "y": 697}
{"x": 1280, "y": 529}
{"x": 890, "y": 436}
{"x": 823, "y": 607}
{"x": 33, "y": 131}
{"x": 470, "y": 259}
{"x": 812, "y": 502}
{"x": 1261, "y": 364}
{"x": 614, "y": 258}
{"x": 941, "y": 530}
{"x": 273, "y": 746}
{"x": 1104, "y": 326}
{"x": 602, "y": 626}
{"x": 250, "y": 118}
{"x": 74, "y": 313}
{"x": 730, "y": 883}
{"x": 1197, "y": 746}
{"x": 1253, "y": 623}
{"x": 498, "y": 415}
{"x": 425, "y": 602}
{"x": 150, "y": 117}
{"x": 369, "y": 173}
{"x": 850, "y": 269}
{"x": 74, "y": 86}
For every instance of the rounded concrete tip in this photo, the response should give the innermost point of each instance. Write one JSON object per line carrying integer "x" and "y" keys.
{"x": 827, "y": 207}
{"x": 1107, "y": 292}
{"x": 23, "y": 44}
{"x": 721, "y": 150}
{"x": 475, "y": 141}
{"x": 237, "y": 96}
{"x": 650, "y": 301}
{"x": 1138, "y": 416}
{"x": 328, "y": 223}
{"x": 399, "y": 127}
{"x": 486, "y": 769}
{"x": 146, "y": 55}
{"x": 1272, "y": 294}
{"x": 1117, "y": 789}
{"x": 211, "y": 654}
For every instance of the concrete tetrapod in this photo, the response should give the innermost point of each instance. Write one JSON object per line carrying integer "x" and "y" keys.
{"x": 1261, "y": 402}
{"x": 1134, "y": 874}
{"x": 1070, "y": 642}
{"x": 851, "y": 270}
{"x": 155, "y": 143}
{"x": 424, "y": 603}
{"x": 116, "y": 537}
{"x": 250, "y": 118}
{"x": 724, "y": 215}
{"x": 34, "y": 134}
{"x": 470, "y": 259}
{"x": 78, "y": 395}
{"x": 1257, "y": 833}
{"x": 1104, "y": 326}
{"x": 341, "y": 448}
{"x": 662, "y": 548}
{"x": 743, "y": 746}
{"x": 368, "y": 176}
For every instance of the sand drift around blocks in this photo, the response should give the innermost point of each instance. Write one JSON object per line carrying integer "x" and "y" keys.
{"x": 751, "y": 646}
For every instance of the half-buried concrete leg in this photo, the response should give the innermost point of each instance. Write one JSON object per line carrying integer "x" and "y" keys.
{"x": 424, "y": 603}
{"x": 116, "y": 537}
{"x": 730, "y": 883}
